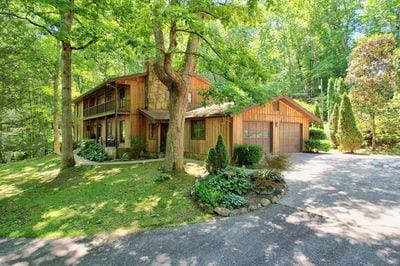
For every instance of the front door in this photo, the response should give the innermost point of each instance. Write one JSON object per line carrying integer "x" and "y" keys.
{"x": 163, "y": 137}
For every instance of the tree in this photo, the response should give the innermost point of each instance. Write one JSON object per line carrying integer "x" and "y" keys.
{"x": 317, "y": 112}
{"x": 333, "y": 125}
{"x": 56, "y": 83}
{"x": 348, "y": 135}
{"x": 56, "y": 19}
{"x": 372, "y": 73}
{"x": 178, "y": 29}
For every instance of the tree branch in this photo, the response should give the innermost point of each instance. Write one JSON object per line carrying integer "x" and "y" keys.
{"x": 29, "y": 20}
{"x": 203, "y": 38}
{"x": 85, "y": 45}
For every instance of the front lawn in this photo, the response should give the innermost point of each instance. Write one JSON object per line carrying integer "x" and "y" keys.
{"x": 37, "y": 200}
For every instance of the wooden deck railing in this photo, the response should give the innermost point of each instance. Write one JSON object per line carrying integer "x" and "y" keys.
{"x": 122, "y": 106}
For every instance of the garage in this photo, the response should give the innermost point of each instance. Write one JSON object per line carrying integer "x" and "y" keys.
{"x": 258, "y": 132}
{"x": 290, "y": 137}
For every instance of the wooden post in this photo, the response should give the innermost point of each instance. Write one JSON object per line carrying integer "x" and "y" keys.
{"x": 115, "y": 116}
{"x": 158, "y": 137}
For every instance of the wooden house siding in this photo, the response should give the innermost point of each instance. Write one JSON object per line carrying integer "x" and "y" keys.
{"x": 267, "y": 113}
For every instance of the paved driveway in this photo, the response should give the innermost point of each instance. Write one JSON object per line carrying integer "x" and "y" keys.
{"x": 340, "y": 210}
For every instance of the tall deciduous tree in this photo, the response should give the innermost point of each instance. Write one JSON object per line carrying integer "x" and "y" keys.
{"x": 349, "y": 136}
{"x": 56, "y": 19}
{"x": 373, "y": 75}
{"x": 178, "y": 29}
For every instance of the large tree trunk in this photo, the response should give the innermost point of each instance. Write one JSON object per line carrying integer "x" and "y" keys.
{"x": 175, "y": 137}
{"x": 67, "y": 156}
{"x": 56, "y": 81}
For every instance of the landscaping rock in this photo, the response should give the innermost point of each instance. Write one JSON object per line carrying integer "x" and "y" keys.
{"x": 265, "y": 202}
{"x": 253, "y": 207}
{"x": 274, "y": 199}
{"x": 222, "y": 211}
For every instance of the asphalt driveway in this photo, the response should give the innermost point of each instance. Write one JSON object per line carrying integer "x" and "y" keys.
{"x": 339, "y": 210}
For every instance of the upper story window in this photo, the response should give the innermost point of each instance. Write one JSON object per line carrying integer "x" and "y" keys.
{"x": 198, "y": 129}
{"x": 122, "y": 93}
{"x": 108, "y": 97}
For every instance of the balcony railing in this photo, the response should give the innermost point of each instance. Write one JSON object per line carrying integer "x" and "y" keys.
{"x": 122, "y": 106}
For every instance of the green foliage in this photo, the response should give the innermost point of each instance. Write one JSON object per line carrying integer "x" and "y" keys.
{"x": 138, "y": 145}
{"x": 316, "y": 145}
{"x": 248, "y": 154}
{"x": 317, "y": 113}
{"x": 317, "y": 133}
{"x": 278, "y": 162}
{"x": 92, "y": 151}
{"x": 161, "y": 177}
{"x": 266, "y": 180}
{"x": 218, "y": 157}
{"x": 348, "y": 135}
{"x": 233, "y": 201}
{"x": 215, "y": 188}
{"x": 333, "y": 125}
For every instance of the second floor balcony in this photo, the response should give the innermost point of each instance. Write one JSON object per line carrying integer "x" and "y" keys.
{"x": 110, "y": 107}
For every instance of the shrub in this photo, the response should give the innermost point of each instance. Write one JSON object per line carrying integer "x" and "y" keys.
{"x": 317, "y": 112}
{"x": 333, "y": 125}
{"x": 125, "y": 157}
{"x": 218, "y": 157}
{"x": 233, "y": 201}
{"x": 215, "y": 188}
{"x": 205, "y": 192}
{"x": 265, "y": 180}
{"x": 162, "y": 177}
{"x": 317, "y": 133}
{"x": 76, "y": 144}
{"x": 138, "y": 145}
{"x": 248, "y": 154}
{"x": 349, "y": 136}
{"x": 278, "y": 162}
{"x": 92, "y": 151}
{"x": 316, "y": 145}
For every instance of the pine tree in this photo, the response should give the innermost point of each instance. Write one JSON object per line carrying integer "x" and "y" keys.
{"x": 349, "y": 136}
{"x": 330, "y": 96}
{"x": 317, "y": 112}
{"x": 222, "y": 153}
{"x": 333, "y": 125}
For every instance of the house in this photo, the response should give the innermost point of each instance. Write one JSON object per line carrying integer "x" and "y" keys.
{"x": 137, "y": 105}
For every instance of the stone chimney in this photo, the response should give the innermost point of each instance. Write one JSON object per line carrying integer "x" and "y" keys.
{"x": 156, "y": 92}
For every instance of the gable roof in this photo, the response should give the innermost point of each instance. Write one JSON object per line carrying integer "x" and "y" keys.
{"x": 222, "y": 110}
{"x": 108, "y": 81}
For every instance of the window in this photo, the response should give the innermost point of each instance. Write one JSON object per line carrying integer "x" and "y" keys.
{"x": 152, "y": 131}
{"x": 275, "y": 105}
{"x": 108, "y": 97}
{"x": 198, "y": 129}
{"x": 122, "y": 93}
{"x": 122, "y": 131}
{"x": 109, "y": 130}
{"x": 189, "y": 96}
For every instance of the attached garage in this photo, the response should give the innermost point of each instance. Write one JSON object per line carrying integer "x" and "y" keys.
{"x": 280, "y": 126}
{"x": 260, "y": 133}
{"x": 290, "y": 137}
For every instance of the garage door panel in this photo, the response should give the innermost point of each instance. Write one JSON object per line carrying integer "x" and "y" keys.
{"x": 290, "y": 137}
{"x": 260, "y": 133}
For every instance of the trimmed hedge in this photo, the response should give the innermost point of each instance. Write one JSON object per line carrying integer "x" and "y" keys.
{"x": 316, "y": 145}
{"x": 248, "y": 154}
{"x": 317, "y": 133}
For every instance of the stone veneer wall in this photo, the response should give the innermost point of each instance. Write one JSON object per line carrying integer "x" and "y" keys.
{"x": 156, "y": 92}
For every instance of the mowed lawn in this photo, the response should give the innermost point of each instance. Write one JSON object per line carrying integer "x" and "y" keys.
{"x": 37, "y": 200}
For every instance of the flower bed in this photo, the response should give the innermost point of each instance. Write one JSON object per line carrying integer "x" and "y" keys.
{"x": 233, "y": 191}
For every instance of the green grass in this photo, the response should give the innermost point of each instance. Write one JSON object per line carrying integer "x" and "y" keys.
{"x": 37, "y": 200}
